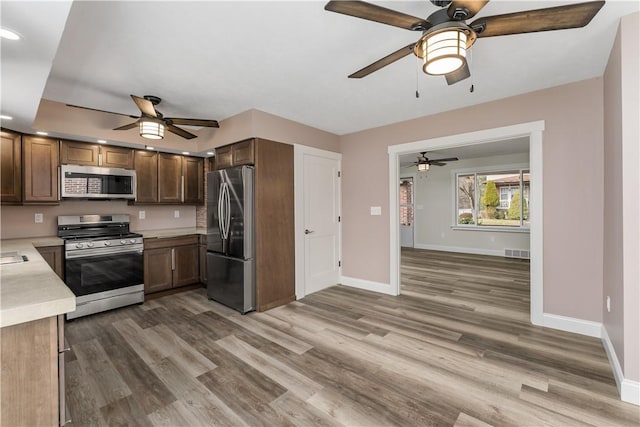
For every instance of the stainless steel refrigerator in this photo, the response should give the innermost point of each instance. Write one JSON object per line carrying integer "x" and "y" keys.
{"x": 230, "y": 238}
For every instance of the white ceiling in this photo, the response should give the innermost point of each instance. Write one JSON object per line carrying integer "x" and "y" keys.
{"x": 213, "y": 60}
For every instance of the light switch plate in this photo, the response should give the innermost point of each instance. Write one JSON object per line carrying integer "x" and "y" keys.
{"x": 376, "y": 210}
{"x": 142, "y": 214}
{"x": 38, "y": 218}
{"x": 176, "y": 214}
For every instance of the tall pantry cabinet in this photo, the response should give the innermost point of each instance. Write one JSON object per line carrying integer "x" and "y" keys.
{"x": 273, "y": 216}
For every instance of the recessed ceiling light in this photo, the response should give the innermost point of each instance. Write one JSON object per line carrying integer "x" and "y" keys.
{"x": 5, "y": 33}
{"x": 186, "y": 153}
{"x": 3, "y": 117}
{"x": 102, "y": 141}
{"x": 148, "y": 147}
{"x": 209, "y": 153}
{"x": 42, "y": 133}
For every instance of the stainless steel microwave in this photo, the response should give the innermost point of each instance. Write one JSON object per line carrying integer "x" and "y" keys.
{"x": 93, "y": 182}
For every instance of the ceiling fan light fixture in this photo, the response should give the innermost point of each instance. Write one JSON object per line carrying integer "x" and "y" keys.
{"x": 423, "y": 167}
{"x": 445, "y": 51}
{"x": 151, "y": 129}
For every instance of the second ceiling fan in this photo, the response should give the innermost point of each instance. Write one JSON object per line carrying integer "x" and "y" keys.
{"x": 446, "y": 36}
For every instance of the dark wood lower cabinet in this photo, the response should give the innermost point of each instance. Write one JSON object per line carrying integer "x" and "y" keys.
{"x": 202, "y": 249}
{"x": 170, "y": 263}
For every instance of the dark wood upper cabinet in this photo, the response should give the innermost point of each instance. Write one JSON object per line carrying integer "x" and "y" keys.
{"x": 146, "y": 166}
{"x": 41, "y": 163}
{"x": 10, "y": 167}
{"x": 224, "y": 157}
{"x": 193, "y": 176}
{"x": 243, "y": 153}
{"x": 83, "y": 153}
{"x": 170, "y": 178}
{"x": 116, "y": 157}
{"x": 237, "y": 154}
{"x": 79, "y": 153}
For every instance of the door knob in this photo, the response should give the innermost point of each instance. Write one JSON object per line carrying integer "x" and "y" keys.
{"x": 306, "y": 231}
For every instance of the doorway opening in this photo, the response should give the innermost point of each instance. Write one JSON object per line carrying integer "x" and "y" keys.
{"x": 532, "y": 131}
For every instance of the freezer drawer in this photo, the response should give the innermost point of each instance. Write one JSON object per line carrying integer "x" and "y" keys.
{"x": 230, "y": 281}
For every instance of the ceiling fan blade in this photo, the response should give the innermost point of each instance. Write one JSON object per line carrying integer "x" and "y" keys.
{"x": 459, "y": 74}
{"x": 380, "y": 63}
{"x": 371, "y": 12}
{"x": 437, "y": 164}
{"x": 459, "y": 10}
{"x": 127, "y": 127}
{"x": 145, "y": 106}
{"x": 531, "y": 21}
{"x": 101, "y": 111}
{"x": 195, "y": 122}
{"x": 181, "y": 132}
{"x": 448, "y": 159}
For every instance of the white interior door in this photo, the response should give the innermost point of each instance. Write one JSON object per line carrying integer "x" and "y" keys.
{"x": 321, "y": 221}
{"x": 406, "y": 212}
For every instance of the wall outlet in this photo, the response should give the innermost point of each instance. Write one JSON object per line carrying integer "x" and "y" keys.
{"x": 608, "y": 304}
{"x": 142, "y": 215}
{"x": 376, "y": 210}
{"x": 38, "y": 218}
{"x": 176, "y": 214}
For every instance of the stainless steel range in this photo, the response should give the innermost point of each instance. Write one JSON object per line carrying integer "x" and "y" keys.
{"x": 103, "y": 262}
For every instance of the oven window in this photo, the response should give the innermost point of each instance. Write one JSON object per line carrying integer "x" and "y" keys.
{"x": 104, "y": 273}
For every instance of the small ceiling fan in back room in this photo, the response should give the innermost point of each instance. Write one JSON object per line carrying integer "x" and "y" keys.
{"x": 151, "y": 121}
{"x": 446, "y": 37}
{"x": 424, "y": 162}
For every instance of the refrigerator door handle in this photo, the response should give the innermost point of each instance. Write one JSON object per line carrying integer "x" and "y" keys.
{"x": 220, "y": 197}
{"x": 228, "y": 218}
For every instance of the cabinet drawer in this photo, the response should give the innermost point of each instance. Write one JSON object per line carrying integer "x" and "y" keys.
{"x": 170, "y": 242}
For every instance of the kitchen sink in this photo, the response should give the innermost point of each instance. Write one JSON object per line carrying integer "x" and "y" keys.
{"x": 12, "y": 258}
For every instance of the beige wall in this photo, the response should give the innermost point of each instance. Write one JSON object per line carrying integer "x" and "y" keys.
{"x": 621, "y": 279}
{"x": 572, "y": 153}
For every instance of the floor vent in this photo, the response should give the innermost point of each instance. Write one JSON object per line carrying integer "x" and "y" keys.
{"x": 516, "y": 253}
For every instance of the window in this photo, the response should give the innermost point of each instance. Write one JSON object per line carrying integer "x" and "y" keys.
{"x": 406, "y": 201}
{"x": 494, "y": 199}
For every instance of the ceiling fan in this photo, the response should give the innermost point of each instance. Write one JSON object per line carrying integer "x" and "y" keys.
{"x": 424, "y": 162}
{"x": 446, "y": 36}
{"x": 151, "y": 121}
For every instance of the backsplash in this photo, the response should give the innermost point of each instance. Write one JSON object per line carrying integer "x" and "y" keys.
{"x": 18, "y": 221}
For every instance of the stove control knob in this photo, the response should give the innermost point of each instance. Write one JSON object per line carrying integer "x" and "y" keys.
{"x": 132, "y": 241}
{"x": 107, "y": 243}
{"x": 123, "y": 242}
{"x": 78, "y": 245}
{"x": 89, "y": 244}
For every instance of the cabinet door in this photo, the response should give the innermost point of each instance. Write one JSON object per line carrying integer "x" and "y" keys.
{"x": 224, "y": 157}
{"x": 117, "y": 157}
{"x": 170, "y": 178}
{"x": 193, "y": 176}
{"x": 157, "y": 270}
{"x": 79, "y": 153}
{"x": 186, "y": 266}
{"x": 202, "y": 249}
{"x": 146, "y": 165}
{"x": 40, "y": 169}
{"x": 10, "y": 168}
{"x": 243, "y": 153}
{"x": 53, "y": 256}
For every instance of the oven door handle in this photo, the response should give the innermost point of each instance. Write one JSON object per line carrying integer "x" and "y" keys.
{"x": 92, "y": 253}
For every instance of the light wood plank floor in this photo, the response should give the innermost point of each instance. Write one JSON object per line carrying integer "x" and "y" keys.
{"x": 456, "y": 348}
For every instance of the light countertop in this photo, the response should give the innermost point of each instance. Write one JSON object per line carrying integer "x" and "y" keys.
{"x": 31, "y": 290}
{"x": 171, "y": 232}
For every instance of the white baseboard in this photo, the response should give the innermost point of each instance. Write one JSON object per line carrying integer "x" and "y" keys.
{"x": 629, "y": 390}
{"x": 460, "y": 249}
{"x": 571, "y": 324}
{"x": 368, "y": 285}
